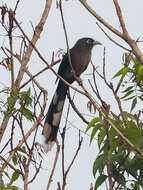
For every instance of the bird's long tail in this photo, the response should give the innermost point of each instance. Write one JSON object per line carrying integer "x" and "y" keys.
{"x": 53, "y": 116}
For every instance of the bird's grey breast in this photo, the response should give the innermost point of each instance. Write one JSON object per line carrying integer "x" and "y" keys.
{"x": 80, "y": 61}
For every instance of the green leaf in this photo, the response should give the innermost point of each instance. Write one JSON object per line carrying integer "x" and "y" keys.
{"x": 11, "y": 101}
{"x": 12, "y": 188}
{"x": 137, "y": 62}
{"x": 123, "y": 73}
{"x": 101, "y": 136}
{"x": 95, "y": 129}
{"x": 118, "y": 176}
{"x": 134, "y": 134}
{"x": 2, "y": 171}
{"x": 128, "y": 89}
{"x": 99, "y": 164}
{"x": 15, "y": 176}
{"x": 134, "y": 102}
{"x": 141, "y": 97}
{"x": 6, "y": 90}
{"x": 21, "y": 149}
{"x": 127, "y": 94}
{"x": 28, "y": 101}
{"x": 14, "y": 159}
{"x": 131, "y": 97}
{"x": 99, "y": 181}
{"x": 93, "y": 121}
{"x": 29, "y": 92}
{"x": 120, "y": 72}
{"x": 25, "y": 96}
{"x": 27, "y": 113}
{"x": 128, "y": 115}
{"x": 140, "y": 73}
{"x": 1, "y": 180}
{"x": 136, "y": 186}
{"x": 132, "y": 166}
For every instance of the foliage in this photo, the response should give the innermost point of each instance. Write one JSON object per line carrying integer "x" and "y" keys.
{"x": 132, "y": 76}
{"x": 23, "y": 100}
{"x": 124, "y": 163}
{"x": 8, "y": 186}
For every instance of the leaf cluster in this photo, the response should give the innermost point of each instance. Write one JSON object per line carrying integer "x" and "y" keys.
{"x": 117, "y": 161}
{"x": 131, "y": 78}
{"x": 122, "y": 159}
{"x": 24, "y": 103}
{"x": 8, "y": 186}
{"x": 19, "y": 159}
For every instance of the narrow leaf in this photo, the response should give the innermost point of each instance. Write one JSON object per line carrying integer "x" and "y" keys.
{"x": 99, "y": 181}
{"x": 93, "y": 121}
{"x": 127, "y": 94}
{"x": 95, "y": 129}
{"x": 21, "y": 149}
{"x": 140, "y": 97}
{"x": 1, "y": 180}
{"x": 27, "y": 113}
{"x": 15, "y": 176}
{"x": 118, "y": 73}
{"x": 122, "y": 71}
{"x": 126, "y": 69}
{"x": 99, "y": 164}
{"x": 134, "y": 102}
{"x": 101, "y": 136}
{"x": 14, "y": 159}
{"x": 29, "y": 92}
{"x": 131, "y": 97}
{"x": 127, "y": 89}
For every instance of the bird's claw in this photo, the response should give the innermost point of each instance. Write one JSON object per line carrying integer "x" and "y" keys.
{"x": 79, "y": 80}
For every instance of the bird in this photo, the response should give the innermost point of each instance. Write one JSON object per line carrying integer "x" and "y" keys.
{"x": 80, "y": 57}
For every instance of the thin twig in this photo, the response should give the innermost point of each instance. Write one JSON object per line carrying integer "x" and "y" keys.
{"x": 108, "y": 154}
{"x": 10, "y": 30}
{"x": 16, "y": 6}
{"x": 37, "y": 74}
{"x": 59, "y": 186}
{"x": 111, "y": 39}
{"x": 75, "y": 108}
{"x": 27, "y": 56}
{"x": 36, "y": 173}
{"x": 54, "y": 166}
{"x": 11, "y": 166}
{"x": 77, "y": 78}
{"x": 98, "y": 17}
{"x": 126, "y": 37}
{"x": 37, "y": 122}
{"x": 12, "y": 134}
{"x": 42, "y": 58}
{"x": 63, "y": 148}
{"x": 72, "y": 161}
{"x": 5, "y": 146}
{"x": 120, "y": 16}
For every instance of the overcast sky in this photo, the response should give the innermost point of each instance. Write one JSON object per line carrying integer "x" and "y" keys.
{"x": 79, "y": 24}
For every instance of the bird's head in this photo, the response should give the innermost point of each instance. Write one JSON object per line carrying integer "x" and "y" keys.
{"x": 87, "y": 43}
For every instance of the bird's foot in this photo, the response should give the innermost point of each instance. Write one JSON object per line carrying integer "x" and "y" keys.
{"x": 79, "y": 80}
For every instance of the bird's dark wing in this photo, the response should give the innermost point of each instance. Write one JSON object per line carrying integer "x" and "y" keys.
{"x": 64, "y": 65}
{"x": 65, "y": 70}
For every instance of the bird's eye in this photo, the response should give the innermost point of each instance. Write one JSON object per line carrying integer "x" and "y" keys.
{"x": 89, "y": 41}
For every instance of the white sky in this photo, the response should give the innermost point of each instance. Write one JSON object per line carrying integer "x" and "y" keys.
{"x": 79, "y": 24}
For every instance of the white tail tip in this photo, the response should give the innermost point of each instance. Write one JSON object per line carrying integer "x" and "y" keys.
{"x": 48, "y": 147}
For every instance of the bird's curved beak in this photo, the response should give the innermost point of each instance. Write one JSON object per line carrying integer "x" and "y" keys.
{"x": 96, "y": 43}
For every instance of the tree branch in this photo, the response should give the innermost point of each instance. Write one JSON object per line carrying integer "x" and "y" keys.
{"x": 125, "y": 36}
{"x": 54, "y": 165}
{"x": 26, "y": 58}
